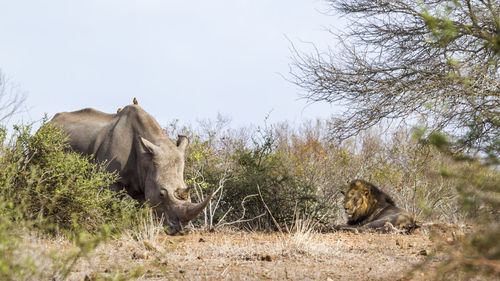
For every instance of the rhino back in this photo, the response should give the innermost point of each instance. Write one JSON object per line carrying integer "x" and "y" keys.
{"x": 85, "y": 128}
{"x": 111, "y": 137}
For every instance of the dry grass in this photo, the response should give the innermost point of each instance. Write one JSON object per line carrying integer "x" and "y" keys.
{"x": 148, "y": 254}
{"x": 248, "y": 256}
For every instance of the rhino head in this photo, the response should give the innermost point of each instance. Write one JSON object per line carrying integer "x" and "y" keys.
{"x": 164, "y": 186}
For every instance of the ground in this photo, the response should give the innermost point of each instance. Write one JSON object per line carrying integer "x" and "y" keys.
{"x": 238, "y": 255}
{"x": 259, "y": 256}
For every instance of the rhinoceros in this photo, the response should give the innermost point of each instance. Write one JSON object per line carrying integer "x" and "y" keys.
{"x": 149, "y": 164}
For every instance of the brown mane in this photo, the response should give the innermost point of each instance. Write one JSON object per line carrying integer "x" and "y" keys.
{"x": 368, "y": 206}
{"x": 379, "y": 194}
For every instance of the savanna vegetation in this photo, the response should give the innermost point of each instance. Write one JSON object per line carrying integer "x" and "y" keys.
{"x": 433, "y": 64}
{"x": 278, "y": 177}
{"x": 268, "y": 177}
{"x": 420, "y": 86}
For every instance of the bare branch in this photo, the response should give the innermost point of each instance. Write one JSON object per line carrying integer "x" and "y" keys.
{"x": 11, "y": 98}
{"x": 436, "y": 61}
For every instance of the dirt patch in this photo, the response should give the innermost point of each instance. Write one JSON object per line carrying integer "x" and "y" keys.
{"x": 258, "y": 256}
{"x": 151, "y": 255}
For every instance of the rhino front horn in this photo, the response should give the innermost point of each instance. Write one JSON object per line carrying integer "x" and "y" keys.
{"x": 191, "y": 210}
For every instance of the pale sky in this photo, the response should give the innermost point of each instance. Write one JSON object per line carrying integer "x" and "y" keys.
{"x": 186, "y": 60}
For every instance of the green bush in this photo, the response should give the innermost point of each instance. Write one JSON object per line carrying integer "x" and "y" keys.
{"x": 477, "y": 182}
{"x": 300, "y": 172}
{"x": 238, "y": 165}
{"x": 41, "y": 181}
{"x": 23, "y": 258}
{"x": 47, "y": 189}
{"x": 9, "y": 243}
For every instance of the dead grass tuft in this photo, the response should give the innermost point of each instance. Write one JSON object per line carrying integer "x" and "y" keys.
{"x": 148, "y": 254}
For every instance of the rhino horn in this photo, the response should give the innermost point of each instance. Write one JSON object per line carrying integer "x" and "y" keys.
{"x": 191, "y": 210}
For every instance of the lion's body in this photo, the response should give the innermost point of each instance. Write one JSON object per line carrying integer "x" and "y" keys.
{"x": 369, "y": 207}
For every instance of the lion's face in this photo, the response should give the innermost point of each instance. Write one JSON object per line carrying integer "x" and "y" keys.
{"x": 357, "y": 201}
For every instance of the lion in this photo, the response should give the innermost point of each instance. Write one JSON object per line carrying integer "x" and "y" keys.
{"x": 368, "y": 207}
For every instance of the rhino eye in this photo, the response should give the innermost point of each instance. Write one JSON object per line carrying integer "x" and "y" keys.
{"x": 163, "y": 193}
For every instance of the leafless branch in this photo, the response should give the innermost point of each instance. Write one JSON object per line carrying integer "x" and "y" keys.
{"x": 242, "y": 217}
{"x": 435, "y": 61}
{"x": 11, "y": 98}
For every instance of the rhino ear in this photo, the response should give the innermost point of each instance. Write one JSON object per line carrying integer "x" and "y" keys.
{"x": 149, "y": 146}
{"x": 182, "y": 142}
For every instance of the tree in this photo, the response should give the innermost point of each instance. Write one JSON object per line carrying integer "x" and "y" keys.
{"x": 11, "y": 98}
{"x": 439, "y": 61}
{"x": 434, "y": 60}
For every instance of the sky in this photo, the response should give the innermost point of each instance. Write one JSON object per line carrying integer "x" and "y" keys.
{"x": 186, "y": 60}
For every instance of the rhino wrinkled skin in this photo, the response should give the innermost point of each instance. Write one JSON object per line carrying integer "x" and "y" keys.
{"x": 149, "y": 164}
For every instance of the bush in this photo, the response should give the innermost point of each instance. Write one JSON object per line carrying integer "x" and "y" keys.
{"x": 41, "y": 181}
{"x": 9, "y": 243}
{"x": 477, "y": 182}
{"x": 300, "y": 173}
{"x": 237, "y": 163}
{"x": 286, "y": 193}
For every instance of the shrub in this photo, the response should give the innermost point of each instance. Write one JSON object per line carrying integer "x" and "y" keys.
{"x": 9, "y": 243}
{"x": 300, "y": 172}
{"x": 236, "y": 163}
{"x": 477, "y": 182}
{"x": 58, "y": 190}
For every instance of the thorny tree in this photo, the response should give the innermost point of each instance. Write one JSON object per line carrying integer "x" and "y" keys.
{"x": 399, "y": 59}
